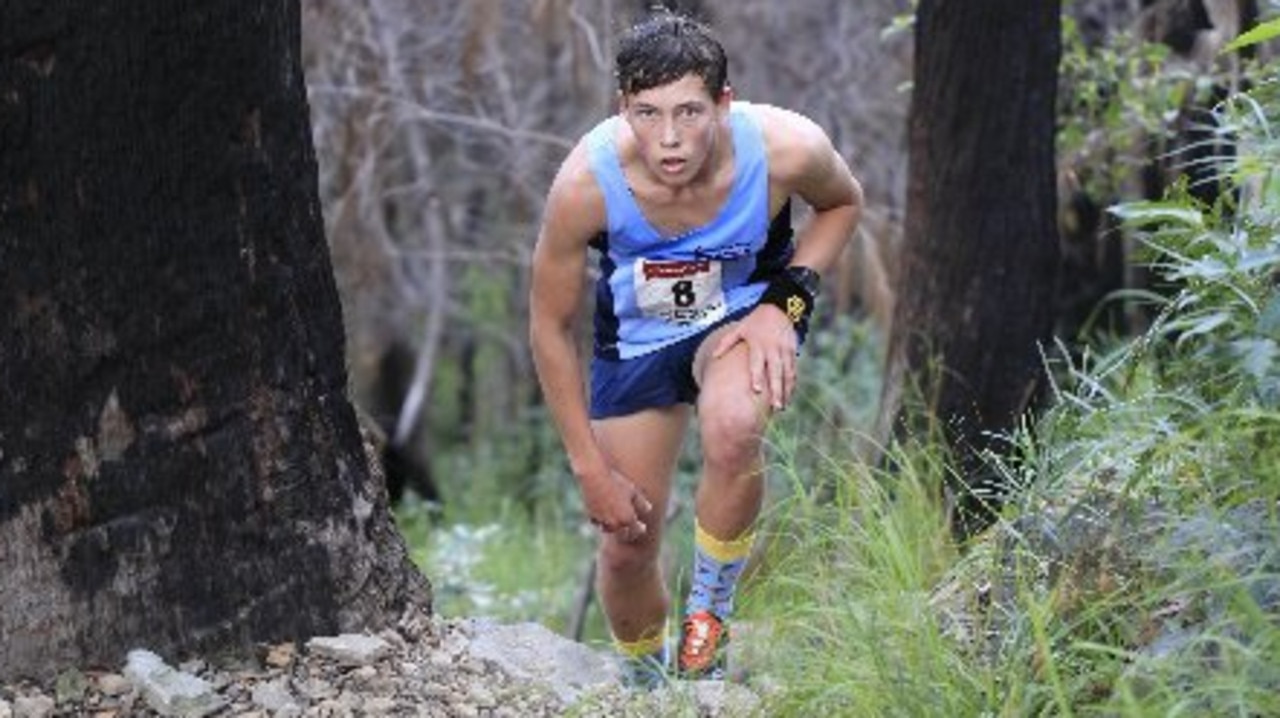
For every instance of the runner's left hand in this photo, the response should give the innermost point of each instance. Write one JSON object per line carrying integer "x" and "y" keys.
{"x": 771, "y": 352}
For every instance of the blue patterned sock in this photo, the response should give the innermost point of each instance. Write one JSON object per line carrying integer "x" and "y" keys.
{"x": 717, "y": 565}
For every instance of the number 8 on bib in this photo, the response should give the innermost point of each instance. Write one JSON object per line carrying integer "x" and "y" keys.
{"x": 681, "y": 292}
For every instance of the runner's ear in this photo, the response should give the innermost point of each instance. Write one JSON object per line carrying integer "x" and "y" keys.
{"x": 726, "y": 98}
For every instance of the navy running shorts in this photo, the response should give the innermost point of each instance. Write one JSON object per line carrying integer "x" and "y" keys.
{"x": 659, "y": 379}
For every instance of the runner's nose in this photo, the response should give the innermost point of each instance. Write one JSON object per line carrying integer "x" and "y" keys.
{"x": 670, "y": 138}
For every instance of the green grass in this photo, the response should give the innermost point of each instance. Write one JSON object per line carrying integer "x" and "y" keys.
{"x": 511, "y": 567}
{"x": 873, "y": 612}
{"x": 846, "y": 596}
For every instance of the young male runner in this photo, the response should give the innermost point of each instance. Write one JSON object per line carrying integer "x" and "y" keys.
{"x": 701, "y": 302}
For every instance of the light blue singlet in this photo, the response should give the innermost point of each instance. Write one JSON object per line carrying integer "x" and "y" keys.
{"x": 654, "y": 291}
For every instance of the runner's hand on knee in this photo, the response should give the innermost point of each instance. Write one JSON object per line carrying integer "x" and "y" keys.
{"x": 771, "y": 352}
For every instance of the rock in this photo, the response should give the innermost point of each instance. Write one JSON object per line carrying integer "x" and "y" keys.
{"x": 531, "y": 651}
{"x": 168, "y": 691}
{"x": 112, "y": 685}
{"x": 39, "y": 706}
{"x": 435, "y": 675}
{"x": 482, "y": 697}
{"x": 276, "y": 699}
{"x": 719, "y": 698}
{"x": 71, "y": 687}
{"x": 379, "y": 706}
{"x": 350, "y": 649}
{"x": 281, "y": 655}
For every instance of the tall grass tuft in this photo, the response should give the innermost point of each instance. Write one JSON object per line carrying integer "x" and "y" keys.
{"x": 1136, "y": 570}
{"x": 846, "y": 600}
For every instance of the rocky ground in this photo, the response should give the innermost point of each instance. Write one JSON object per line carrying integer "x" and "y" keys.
{"x": 427, "y": 666}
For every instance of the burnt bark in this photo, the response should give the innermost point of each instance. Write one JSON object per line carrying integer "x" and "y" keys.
{"x": 980, "y": 252}
{"x": 180, "y": 468}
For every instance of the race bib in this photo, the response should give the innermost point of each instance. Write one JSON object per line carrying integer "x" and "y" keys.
{"x": 680, "y": 292}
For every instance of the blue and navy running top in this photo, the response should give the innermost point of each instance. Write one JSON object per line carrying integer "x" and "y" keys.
{"x": 653, "y": 290}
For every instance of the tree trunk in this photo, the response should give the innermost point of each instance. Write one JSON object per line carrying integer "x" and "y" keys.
{"x": 980, "y": 255}
{"x": 180, "y": 468}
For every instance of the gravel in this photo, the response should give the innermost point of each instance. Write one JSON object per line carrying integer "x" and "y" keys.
{"x": 427, "y": 666}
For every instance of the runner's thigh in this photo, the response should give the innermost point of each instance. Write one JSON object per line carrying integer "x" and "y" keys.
{"x": 645, "y": 446}
{"x": 732, "y": 365}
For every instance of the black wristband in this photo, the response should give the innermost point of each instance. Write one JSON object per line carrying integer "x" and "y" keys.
{"x": 787, "y": 293}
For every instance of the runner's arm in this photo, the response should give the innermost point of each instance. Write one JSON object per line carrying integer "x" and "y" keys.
{"x": 573, "y": 216}
{"x": 808, "y": 164}
{"x": 570, "y": 220}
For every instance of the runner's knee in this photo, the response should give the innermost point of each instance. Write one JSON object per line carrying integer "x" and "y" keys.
{"x": 732, "y": 425}
{"x": 616, "y": 557}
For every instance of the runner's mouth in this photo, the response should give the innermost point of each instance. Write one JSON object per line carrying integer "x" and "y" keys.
{"x": 674, "y": 164}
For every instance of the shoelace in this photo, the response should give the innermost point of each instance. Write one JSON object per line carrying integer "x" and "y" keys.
{"x": 701, "y": 634}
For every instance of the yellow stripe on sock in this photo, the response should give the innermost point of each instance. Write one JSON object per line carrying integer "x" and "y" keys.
{"x": 643, "y": 647}
{"x": 723, "y": 551}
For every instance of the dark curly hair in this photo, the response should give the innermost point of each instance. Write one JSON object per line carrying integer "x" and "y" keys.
{"x": 666, "y": 47}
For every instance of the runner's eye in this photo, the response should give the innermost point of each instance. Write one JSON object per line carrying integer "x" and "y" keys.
{"x": 689, "y": 113}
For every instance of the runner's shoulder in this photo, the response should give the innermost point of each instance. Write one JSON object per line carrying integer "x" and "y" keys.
{"x": 575, "y": 198}
{"x": 792, "y": 140}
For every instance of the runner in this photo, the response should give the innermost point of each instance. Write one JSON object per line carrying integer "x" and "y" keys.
{"x": 702, "y": 302}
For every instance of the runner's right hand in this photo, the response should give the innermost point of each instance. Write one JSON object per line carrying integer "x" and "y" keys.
{"x": 616, "y": 505}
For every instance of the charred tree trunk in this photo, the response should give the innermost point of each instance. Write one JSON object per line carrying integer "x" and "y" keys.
{"x": 180, "y": 467}
{"x": 980, "y": 252}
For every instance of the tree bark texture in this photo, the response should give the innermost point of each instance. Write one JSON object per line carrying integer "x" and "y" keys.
{"x": 180, "y": 468}
{"x": 978, "y": 268}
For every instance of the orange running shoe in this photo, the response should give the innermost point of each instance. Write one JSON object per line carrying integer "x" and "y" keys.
{"x": 704, "y": 643}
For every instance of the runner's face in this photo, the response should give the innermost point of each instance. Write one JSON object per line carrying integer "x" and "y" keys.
{"x": 675, "y": 127}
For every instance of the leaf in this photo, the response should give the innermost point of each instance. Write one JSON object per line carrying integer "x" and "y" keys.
{"x": 1259, "y": 259}
{"x": 1263, "y": 32}
{"x": 1257, "y": 356}
{"x": 1269, "y": 393}
{"x": 1208, "y": 269}
{"x": 1200, "y": 325}
{"x": 1157, "y": 212}
{"x": 1269, "y": 320}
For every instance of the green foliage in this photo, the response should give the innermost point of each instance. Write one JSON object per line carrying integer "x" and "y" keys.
{"x": 514, "y": 567}
{"x": 1112, "y": 99}
{"x": 1261, "y": 33}
{"x": 1136, "y": 573}
{"x": 1224, "y": 261}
